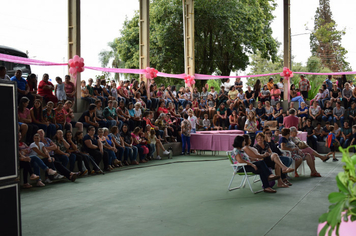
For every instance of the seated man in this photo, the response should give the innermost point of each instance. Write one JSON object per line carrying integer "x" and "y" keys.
{"x": 23, "y": 90}
{"x": 311, "y": 138}
{"x": 291, "y": 120}
{"x": 45, "y": 88}
{"x": 110, "y": 115}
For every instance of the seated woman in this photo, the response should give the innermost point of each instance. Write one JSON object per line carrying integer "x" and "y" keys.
{"x": 62, "y": 152}
{"x": 128, "y": 141}
{"x": 85, "y": 95}
{"x": 93, "y": 146}
{"x": 265, "y": 95}
{"x": 50, "y": 117}
{"x": 278, "y": 114}
{"x": 256, "y": 167}
{"x": 110, "y": 146}
{"x": 122, "y": 151}
{"x": 287, "y": 161}
{"x": 305, "y": 147}
{"x": 269, "y": 111}
{"x": 68, "y": 111}
{"x": 110, "y": 151}
{"x": 88, "y": 118}
{"x": 297, "y": 154}
{"x": 162, "y": 125}
{"x": 139, "y": 143}
{"x": 78, "y": 141}
{"x": 25, "y": 164}
{"x": 233, "y": 120}
{"x": 60, "y": 117}
{"x": 39, "y": 149}
{"x": 24, "y": 116}
{"x": 154, "y": 143}
{"x": 263, "y": 151}
{"x": 315, "y": 112}
{"x": 215, "y": 123}
{"x": 295, "y": 95}
{"x": 39, "y": 120}
{"x": 80, "y": 158}
{"x": 303, "y": 113}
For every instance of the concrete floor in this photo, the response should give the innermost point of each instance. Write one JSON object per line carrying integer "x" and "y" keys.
{"x": 176, "y": 199}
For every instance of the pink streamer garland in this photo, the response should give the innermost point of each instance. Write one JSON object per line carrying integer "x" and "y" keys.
{"x": 29, "y": 61}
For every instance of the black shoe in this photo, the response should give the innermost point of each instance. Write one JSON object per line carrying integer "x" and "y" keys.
{"x": 335, "y": 159}
{"x": 182, "y": 153}
{"x": 188, "y": 153}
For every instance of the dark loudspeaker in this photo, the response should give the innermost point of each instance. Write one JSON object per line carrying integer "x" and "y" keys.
{"x": 10, "y": 212}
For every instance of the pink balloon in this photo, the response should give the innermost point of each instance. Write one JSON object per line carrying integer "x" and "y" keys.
{"x": 81, "y": 60}
{"x": 70, "y": 61}
{"x": 76, "y": 58}
{"x": 148, "y": 76}
{"x": 72, "y": 70}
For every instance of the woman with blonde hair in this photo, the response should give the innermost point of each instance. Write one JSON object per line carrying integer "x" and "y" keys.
{"x": 251, "y": 126}
{"x": 216, "y": 123}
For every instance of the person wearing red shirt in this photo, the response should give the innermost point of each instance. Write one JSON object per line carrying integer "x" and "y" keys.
{"x": 291, "y": 120}
{"x": 45, "y": 89}
{"x": 70, "y": 89}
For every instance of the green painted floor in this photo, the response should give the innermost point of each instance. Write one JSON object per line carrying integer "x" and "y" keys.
{"x": 185, "y": 198}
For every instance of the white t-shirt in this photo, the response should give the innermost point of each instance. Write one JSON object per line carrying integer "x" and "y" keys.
{"x": 193, "y": 121}
{"x": 280, "y": 86}
{"x": 227, "y": 86}
{"x": 138, "y": 112}
{"x": 33, "y": 145}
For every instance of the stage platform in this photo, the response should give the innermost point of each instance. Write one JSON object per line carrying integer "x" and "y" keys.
{"x": 186, "y": 195}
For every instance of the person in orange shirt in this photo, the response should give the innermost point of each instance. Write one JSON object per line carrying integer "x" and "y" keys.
{"x": 270, "y": 84}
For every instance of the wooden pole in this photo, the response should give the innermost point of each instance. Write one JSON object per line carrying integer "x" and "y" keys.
{"x": 144, "y": 36}
{"x": 287, "y": 43}
{"x": 188, "y": 27}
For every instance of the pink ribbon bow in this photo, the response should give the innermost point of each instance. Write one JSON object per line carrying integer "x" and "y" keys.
{"x": 151, "y": 73}
{"x": 189, "y": 80}
{"x": 287, "y": 74}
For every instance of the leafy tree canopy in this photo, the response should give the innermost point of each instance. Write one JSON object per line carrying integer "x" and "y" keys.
{"x": 226, "y": 33}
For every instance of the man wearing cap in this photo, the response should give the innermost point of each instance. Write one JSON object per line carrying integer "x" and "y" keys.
{"x": 304, "y": 86}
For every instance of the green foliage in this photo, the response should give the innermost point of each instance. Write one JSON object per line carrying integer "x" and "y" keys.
{"x": 226, "y": 32}
{"x": 325, "y": 40}
{"x": 314, "y": 65}
{"x": 345, "y": 199}
{"x": 216, "y": 83}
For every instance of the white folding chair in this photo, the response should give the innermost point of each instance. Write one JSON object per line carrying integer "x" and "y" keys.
{"x": 245, "y": 175}
{"x": 289, "y": 154}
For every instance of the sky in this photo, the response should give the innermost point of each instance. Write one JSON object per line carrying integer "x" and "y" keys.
{"x": 40, "y": 27}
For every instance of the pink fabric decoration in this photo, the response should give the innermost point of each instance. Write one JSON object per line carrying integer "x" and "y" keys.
{"x": 76, "y": 65}
{"x": 189, "y": 80}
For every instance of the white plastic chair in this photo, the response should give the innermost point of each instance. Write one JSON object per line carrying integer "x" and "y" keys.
{"x": 289, "y": 154}
{"x": 245, "y": 175}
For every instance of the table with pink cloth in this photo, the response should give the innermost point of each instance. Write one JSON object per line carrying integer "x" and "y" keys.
{"x": 221, "y": 140}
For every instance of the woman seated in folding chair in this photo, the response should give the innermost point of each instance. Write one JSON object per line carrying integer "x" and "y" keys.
{"x": 272, "y": 159}
{"x": 297, "y": 154}
{"x": 257, "y": 167}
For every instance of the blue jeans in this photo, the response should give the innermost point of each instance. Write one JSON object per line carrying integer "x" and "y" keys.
{"x": 322, "y": 102}
{"x": 327, "y": 118}
{"x": 111, "y": 154}
{"x": 232, "y": 127}
{"x": 298, "y": 99}
{"x": 64, "y": 160}
{"x": 140, "y": 151}
{"x": 347, "y": 142}
{"x": 342, "y": 119}
{"x": 51, "y": 130}
{"x": 36, "y": 164}
{"x": 133, "y": 154}
{"x": 152, "y": 150}
{"x": 287, "y": 161}
{"x": 185, "y": 141}
{"x": 183, "y": 102}
{"x": 246, "y": 102}
{"x": 111, "y": 123}
{"x": 193, "y": 131}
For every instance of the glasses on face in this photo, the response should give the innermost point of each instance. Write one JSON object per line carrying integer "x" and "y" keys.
{"x": 268, "y": 132}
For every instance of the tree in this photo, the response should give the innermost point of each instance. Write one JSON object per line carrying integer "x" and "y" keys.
{"x": 226, "y": 32}
{"x": 325, "y": 41}
{"x": 314, "y": 64}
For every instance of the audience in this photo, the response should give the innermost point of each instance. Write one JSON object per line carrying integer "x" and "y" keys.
{"x": 140, "y": 119}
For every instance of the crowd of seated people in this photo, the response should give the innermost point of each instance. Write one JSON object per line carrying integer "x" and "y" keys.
{"x": 127, "y": 124}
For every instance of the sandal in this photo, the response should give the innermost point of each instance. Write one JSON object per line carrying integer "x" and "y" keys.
{"x": 274, "y": 177}
{"x": 283, "y": 186}
{"x": 288, "y": 170}
{"x": 73, "y": 177}
{"x": 27, "y": 185}
{"x": 288, "y": 183}
{"x": 326, "y": 159}
{"x": 296, "y": 175}
{"x": 316, "y": 174}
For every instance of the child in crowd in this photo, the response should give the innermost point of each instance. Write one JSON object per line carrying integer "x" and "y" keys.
{"x": 195, "y": 107}
{"x": 193, "y": 121}
{"x": 60, "y": 92}
{"x": 211, "y": 106}
{"x": 234, "y": 120}
{"x": 206, "y": 122}
{"x": 317, "y": 97}
{"x": 202, "y": 107}
{"x": 154, "y": 143}
{"x": 262, "y": 123}
{"x": 318, "y": 132}
{"x": 275, "y": 136}
{"x": 332, "y": 143}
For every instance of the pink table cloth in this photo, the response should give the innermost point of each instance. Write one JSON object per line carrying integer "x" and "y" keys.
{"x": 212, "y": 142}
{"x": 301, "y": 135}
{"x": 221, "y": 132}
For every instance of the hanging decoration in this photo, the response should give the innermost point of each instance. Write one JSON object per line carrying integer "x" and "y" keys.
{"x": 76, "y": 65}
{"x": 189, "y": 80}
{"x": 151, "y": 73}
{"x": 287, "y": 74}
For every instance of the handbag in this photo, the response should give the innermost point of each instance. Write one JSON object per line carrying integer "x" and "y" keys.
{"x": 302, "y": 145}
